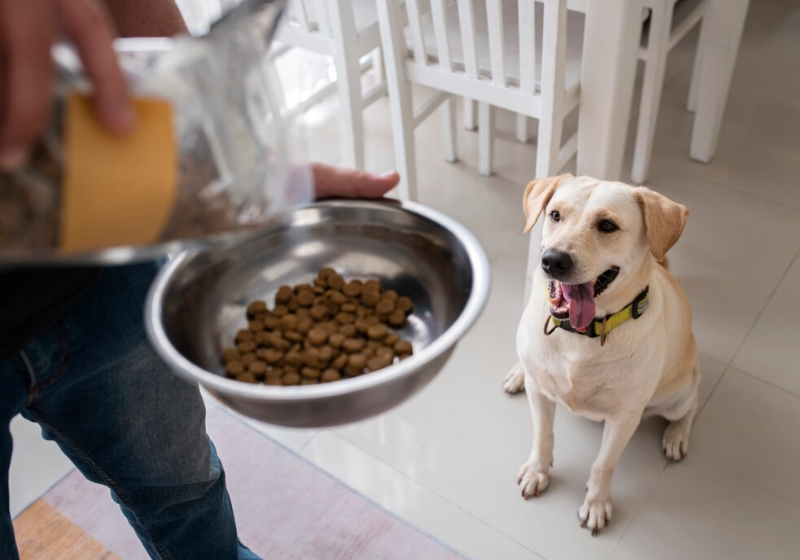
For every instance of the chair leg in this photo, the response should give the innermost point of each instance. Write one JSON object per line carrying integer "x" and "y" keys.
{"x": 377, "y": 65}
{"x": 448, "y": 117}
{"x": 470, "y": 113}
{"x": 351, "y": 113}
{"x": 348, "y": 78}
{"x": 551, "y": 118}
{"x": 655, "y": 67}
{"x": 691, "y": 102}
{"x": 485, "y": 138}
{"x": 719, "y": 39}
{"x": 401, "y": 106}
{"x": 534, "y": 253}
{"x": 523, "y": 131}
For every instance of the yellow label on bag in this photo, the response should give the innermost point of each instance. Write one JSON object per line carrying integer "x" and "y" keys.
{"x": 118, "y": 189}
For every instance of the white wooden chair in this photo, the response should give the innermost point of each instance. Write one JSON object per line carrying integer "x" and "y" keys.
{"x": 486, "y": 50}
{"x": 670, "y": 21}
{"x": 346, "y": 30}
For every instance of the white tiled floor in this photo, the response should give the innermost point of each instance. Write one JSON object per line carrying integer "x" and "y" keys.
{"x": 447, "y": 459}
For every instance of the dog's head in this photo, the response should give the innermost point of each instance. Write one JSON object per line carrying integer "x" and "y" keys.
{"x": 597, "y": 240}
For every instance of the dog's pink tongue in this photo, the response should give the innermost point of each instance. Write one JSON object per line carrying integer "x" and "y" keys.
{"x": 580, "y": 300}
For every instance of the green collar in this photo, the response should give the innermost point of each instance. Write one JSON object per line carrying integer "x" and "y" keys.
{"x": 601, "y": 327}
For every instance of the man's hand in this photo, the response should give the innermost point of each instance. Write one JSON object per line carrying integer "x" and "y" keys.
{"x": 332, "y": 181}
{"x": 28, "y": 29}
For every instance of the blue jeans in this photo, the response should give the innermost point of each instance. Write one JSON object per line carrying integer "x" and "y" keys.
{"x": 97, "y": 389}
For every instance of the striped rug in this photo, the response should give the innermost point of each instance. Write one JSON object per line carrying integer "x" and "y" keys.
{"x": 286, "y": 509}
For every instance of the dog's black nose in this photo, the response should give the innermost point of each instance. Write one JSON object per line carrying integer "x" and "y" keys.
{"x": 556, "y": 263}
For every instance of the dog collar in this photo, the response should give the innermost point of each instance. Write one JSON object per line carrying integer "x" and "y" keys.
{"x": 601, "y": 327}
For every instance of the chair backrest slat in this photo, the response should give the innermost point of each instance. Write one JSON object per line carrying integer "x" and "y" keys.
{"x": 417, "y": 38}
{"x": 298, "y": 10}
{"x": 466, "y": 20}
{"x": 494, "y": 20}
{"x": 323, "y": 18}
{"x": 554, "y": 45}
{"x": 440, "y": 31}
{"x": 527, "y": 45}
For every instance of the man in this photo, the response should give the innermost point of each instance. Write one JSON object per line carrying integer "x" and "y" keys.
{"x": 73, "y": 352}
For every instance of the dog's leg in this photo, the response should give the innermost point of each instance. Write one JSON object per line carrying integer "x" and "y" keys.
{"x": 514, "y": 380}
{"x": 676, "y": 436}
{"x": 595, "y": 513}
{"x": 533, "y": 475}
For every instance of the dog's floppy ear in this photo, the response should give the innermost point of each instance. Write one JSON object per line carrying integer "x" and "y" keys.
{"x": 663, "y": 220}
{"x": 537, "y": 195}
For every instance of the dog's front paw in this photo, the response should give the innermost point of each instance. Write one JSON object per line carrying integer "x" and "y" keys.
{"x": 595, "y": 514}
{"x": 532, "y": 480}
{"x": 515, "y": 380}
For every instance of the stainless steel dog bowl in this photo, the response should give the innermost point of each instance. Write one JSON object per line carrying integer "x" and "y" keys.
{"x": 198, "y": 302}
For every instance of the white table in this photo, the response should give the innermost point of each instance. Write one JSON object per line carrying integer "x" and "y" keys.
{"x": 611, "y": 42}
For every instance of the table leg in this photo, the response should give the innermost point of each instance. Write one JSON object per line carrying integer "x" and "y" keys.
{"x": 611, "y": 43}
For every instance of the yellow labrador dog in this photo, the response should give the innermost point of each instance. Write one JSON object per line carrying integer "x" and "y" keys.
{"x": 607, "y": 331}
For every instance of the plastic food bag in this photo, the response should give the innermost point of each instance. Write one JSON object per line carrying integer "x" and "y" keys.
{"x": 210, "y": 161}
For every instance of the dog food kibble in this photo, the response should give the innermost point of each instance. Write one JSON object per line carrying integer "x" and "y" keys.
{"x": 243, "y": 335}
{"x": 317, "y": 336}
{"x": 230, "y": 355}
{"x": 258, "y": 368}
{"x": 247, "y": 377}
{"x": 255, "y": 308}
{"x": 234, "y": 368}
{"x": 353, "y": 288}
{"x": 280, "y": 310}
{"x": 271, "y": 322}
{"x": 335, "y": 281}
{"x": 305, "y": 298}
{"x": 370, "y": 297}
{"x": 403, "y": 347}
{"x": 291, "y": 378}
{"x": 284, "y": 294}
{"x": 385, "y": 306}
{"x": 397, "y": 318}
{"x": 330, "y": 374}
{"x": 320, "y": 332}
{"x": 353, "y": 344}
{"x": 377, "y": 332}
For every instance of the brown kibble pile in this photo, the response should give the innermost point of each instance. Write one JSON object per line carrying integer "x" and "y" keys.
{"x": 320, "y": 332}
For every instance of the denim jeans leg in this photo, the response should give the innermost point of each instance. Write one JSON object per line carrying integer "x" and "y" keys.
{"x": 130, "y": 424}
{"x": 14, "y": 385}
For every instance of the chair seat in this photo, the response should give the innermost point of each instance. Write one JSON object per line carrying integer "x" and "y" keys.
{"x": 575, "y": 22}
{"x": 365, "y": 13}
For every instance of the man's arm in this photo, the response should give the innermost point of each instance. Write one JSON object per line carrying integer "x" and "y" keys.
{"x": 146, "y": 18}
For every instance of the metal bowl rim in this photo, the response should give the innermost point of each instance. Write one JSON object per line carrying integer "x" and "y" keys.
{"x": 232, "y": 388}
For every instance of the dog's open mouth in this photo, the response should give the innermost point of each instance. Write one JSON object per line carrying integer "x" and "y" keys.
{"x": 576, "y": 301}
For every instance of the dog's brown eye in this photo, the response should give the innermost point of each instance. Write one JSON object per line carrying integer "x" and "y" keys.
{"x": 555, "y": 215}
{"x": 607, "y": 226}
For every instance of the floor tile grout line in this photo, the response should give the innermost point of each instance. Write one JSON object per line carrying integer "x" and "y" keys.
{"x": 711, "y": 393}
{"x": 638, "y": 510}
{"x": 765, "y": 382}
{"x": 435, "y": 493}
{"x": 667, "y": 464}
{"x": 726, "y": 186}
{"x": 312, "y": 438}
{"x": 764, "y": 308}
{"x": 697, "y": 417}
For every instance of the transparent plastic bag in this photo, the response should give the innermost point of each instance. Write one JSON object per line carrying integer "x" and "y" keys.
{"x": 233, "y": 172}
